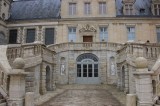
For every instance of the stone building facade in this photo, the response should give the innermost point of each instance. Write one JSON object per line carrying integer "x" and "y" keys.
{"x": 85, "y": 40}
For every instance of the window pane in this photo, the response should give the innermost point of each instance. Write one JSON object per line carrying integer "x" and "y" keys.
{"x": 131, "y": 33}
{"x": 72, "y": 8}
{"x": 158, "y": 34}
{"x": 103, "y": 34}
{"x": 78, "y": 70}
{"x": 102, "y": 7}
{"x": 49, "y": 36}
{"x": 87, "y": 8}
{"x": 72, "y": 34}
{"x": 30, "y": 35}
{"x": 13, "y": 36}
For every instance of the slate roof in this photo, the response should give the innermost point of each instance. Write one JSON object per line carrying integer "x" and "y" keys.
{"x": 35, "y": 9}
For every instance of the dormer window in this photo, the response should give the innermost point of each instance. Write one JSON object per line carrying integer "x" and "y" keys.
{"x": 128, "y": 9}
{"x": 142, "y": 11}
{"x": 156, "y": 9}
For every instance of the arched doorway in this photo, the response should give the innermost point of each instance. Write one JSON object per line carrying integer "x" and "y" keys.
{"x": 87, "y": 69}
{"x": 48, "y": 79}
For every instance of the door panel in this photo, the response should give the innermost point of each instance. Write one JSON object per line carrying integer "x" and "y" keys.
{"x": 89, "y": 74}
{"x": 87, "y": 39}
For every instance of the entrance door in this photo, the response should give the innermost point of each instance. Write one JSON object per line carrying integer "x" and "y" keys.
{"x": 87, "y": 70}
{"x": 87, "y": 39}
{"x": 87, "y": 73}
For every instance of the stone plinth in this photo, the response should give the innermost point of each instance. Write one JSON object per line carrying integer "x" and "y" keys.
{"x": 17, "y": 84}
{"x": 29, "y": 99}
{"x": 144, "y": 89}
{"x": 131, "y": 100}
{"x": 143, "y": 79}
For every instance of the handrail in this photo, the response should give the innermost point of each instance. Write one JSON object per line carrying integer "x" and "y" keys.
{"x": 85, "y": 46}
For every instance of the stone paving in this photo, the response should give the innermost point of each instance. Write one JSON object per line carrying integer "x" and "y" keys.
{"x": 87, "y": 95}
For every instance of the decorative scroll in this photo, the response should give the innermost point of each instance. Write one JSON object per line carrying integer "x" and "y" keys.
{"x": 87, "y": 28}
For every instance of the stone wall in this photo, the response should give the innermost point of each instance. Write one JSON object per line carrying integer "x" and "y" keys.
{"x": 70, "y": 75}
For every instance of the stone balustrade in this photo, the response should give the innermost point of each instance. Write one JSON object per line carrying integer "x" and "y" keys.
{"x": 148, "y": 50}
{"x": 85, "y": 46}
{"x": 26, "y": 51}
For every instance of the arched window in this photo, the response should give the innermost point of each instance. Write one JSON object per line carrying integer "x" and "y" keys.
{"x": 87, "y": 69}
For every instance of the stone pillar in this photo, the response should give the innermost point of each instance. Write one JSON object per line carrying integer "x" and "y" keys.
{"x": 17, "y": 83}
{"x": 144, "y": 89}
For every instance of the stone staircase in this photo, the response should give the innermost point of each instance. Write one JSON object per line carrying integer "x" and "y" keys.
{"x": 2, "y": 101}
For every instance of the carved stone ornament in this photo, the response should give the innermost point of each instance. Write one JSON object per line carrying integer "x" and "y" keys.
{"x": 87, "y": 28}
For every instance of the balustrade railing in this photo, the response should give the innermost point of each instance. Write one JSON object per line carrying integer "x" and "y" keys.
{"x": 24, "y": 51}
{"x": 85, "y": 46}
{"x": 147, "y": 50}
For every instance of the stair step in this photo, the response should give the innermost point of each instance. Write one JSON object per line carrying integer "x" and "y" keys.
{"x": 3, "y": 104}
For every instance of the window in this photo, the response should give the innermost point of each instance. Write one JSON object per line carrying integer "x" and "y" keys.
{"x": 131, "y": 33}
{"x": 72, "y": 34}
{"x": 13, "y": 36}
{"x": 30, "y": 35}
{"x": 87, "y": 8}
{"x": 102, "y": 8}
{"x": 158, "y": 34}
{"x": 103, "y": 34}
{"x": 142, "y": 11}
{"x": 156, "y": 9}
{"x": 128, "y": 9}
{"x": 72, "y": 8}
{"x": 49, "y": 36}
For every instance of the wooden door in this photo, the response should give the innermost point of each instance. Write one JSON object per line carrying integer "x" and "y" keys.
{"x": 87, "y": 39}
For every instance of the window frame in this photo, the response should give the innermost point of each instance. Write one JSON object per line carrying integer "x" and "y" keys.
{"x": 103, "y": 35}
{"x": 102, "y": 8}
{"x": 128, "y": 8}
{"x": 72, "y": 34}
{"x": 156, "y": 9}
{"x": 158, "y": 33}
{"x": 131, "y": 36}
{"x": 87, "y": 8}
{"x": 53, "y": 35}
{"x": 72, "y": 8}
{"x": 34, "y": 34}
{"x": 12, "y": 35}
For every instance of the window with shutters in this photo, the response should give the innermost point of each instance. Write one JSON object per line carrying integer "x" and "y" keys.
{"x": 30, "y": 35}
{"x": 131, "y": 33}
{"x": 49, "y": 36}
{"x": 72, "y": 34}
{"x": 13, "y": 36}
{"x": 103, "y": 33}
{"x": 72, "y": 8}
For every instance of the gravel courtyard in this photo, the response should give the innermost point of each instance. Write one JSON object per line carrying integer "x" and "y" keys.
{"x": 87, "y": 96}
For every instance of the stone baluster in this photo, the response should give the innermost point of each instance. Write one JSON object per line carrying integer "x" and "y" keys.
{"x": 144, "y": 89}
{"x": 17, "y": 83}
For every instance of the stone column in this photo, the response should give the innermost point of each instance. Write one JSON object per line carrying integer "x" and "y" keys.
{"x": 17, "y": 83}
{"x": 144, "y": 89}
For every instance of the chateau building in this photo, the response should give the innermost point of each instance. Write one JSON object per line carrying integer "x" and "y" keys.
{"x": 84, "y": 41}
